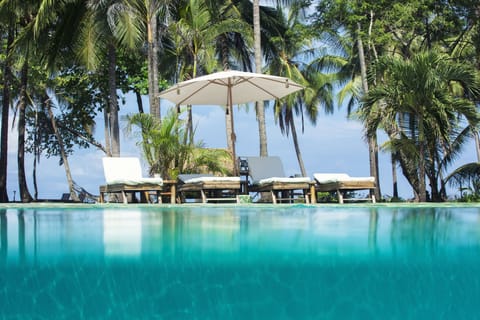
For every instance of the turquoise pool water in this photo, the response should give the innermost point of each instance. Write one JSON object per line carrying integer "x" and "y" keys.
{"x": 247, "y": 262}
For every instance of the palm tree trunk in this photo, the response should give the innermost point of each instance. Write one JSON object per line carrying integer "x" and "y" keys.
{"x": 259, "y": 106}
{"x": 477, "y": 144}
{"x": 297, "y": 147}
{"x": 394, "y": 176}
{"x": 22, "y": 105}
{"x": 229, "y": 130}
{"x": 372, "y": 139}
{"x": 113, "y": 102}
{"x": 153, "y": 67}
{"x": 73, "y": 194}
{"x": 106, "y": 123}
{"x": 421, "y": 161}
{"x": 189, "y": 125}
{"x": 7, "y": 80}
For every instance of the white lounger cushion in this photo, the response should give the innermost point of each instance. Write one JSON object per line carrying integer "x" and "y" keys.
{"x": 126, "y": 170}
{"x": 283, "y": 180}
{"x": 339, "y": 177}
{"x": 137, "y": 181}
{"x": 212, "y": 179}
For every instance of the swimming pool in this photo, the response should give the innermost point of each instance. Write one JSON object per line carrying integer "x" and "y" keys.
{"x": 240, "y": 262}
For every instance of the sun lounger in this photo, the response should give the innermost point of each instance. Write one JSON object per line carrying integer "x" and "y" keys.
{"x": 342, "y": 182}
{"x": 124, "y": 175}
{"x": 267, "y": 175}
{"x": 210, "y": 187}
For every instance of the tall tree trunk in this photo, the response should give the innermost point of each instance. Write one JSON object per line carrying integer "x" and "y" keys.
{"x": 229, "y": 131}
{"x": 7, "y": 80}
{"x": 22, "y": 105}
{"x": 63, "y": 154}
{"x": 477, "y": 144}
{"x": 421, "y": 161}
{"x": 297, "y": 147}
{"x": 113, "y": 101}
{"x": 394, "y": 176}
{"x": 372, "y": 139}
{"x": 259, "y": 106}
{"x": 106, "y": 122}
{"x": 189, "y": 125}
{"x": 228, "y": 119}
{"x": 153, "y": 91}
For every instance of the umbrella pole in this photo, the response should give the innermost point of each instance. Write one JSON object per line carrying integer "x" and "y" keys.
{"x": 233, "y": 137}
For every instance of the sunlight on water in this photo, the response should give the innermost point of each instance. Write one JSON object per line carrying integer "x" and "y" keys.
{"x": 240, "y": 262}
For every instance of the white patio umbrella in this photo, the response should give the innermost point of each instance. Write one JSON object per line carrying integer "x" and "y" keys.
{"x": 228, "y": 88}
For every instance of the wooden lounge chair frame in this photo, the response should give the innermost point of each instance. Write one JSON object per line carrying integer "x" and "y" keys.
{"x": 211, "y": 189}
{"x": 344, "y": 184}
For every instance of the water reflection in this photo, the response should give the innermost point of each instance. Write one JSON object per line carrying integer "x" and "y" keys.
{"x": 235, "y": 234}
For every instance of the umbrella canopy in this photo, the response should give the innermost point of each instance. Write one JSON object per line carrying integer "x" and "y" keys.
{"x": 227, "y": 88}
{"x": 241, "y": 87}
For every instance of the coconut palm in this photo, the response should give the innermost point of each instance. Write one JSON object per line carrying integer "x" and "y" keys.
{"x": 95, "y": 38}
{"x": 292, "y": 61}
{"x": 21, "y": 13}
{"x": 137, "y": 22}
{"x": 423, "y": 98}
{"x": 164, "y": 149}
{"x": 195, "y": 35}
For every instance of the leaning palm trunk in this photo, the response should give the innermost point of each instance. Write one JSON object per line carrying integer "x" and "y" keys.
{"x": 297, "y": 147}
{"x": 73, "y": 194}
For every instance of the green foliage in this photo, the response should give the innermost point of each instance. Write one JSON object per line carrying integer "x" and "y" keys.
{"x": 166, "y": 149}
{"x": 75, "y": 100}
{"x": 467, "y": 179}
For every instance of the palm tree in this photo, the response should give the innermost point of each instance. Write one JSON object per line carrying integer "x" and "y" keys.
{"x": 424, "y": 96}
{"x": 205, "y": 35}
{"x": 95, "y": 38}
{"x": 344, "y": 23}
{"x": 136, "y": 22}
{"x": 194, "y": 36}
{"x": 292, "y": 61}
{"x": 259, "y": 107}
{"x": 164, "y": 149}
{"x": 21, "y": 15}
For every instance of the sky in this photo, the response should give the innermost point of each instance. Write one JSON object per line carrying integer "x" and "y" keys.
{"x": 334, "y": 145}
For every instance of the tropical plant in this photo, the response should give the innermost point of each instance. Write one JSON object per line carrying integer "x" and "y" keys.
{"x": 167, "y": 154}
{"x": 195, "y": 35}
{"x": 97, "y": 50}
{"x": 295, "y": 51}
{"x": 136, "y": 22}
{"x": 467, "y": 179}
{"x": 420, "y": 102}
